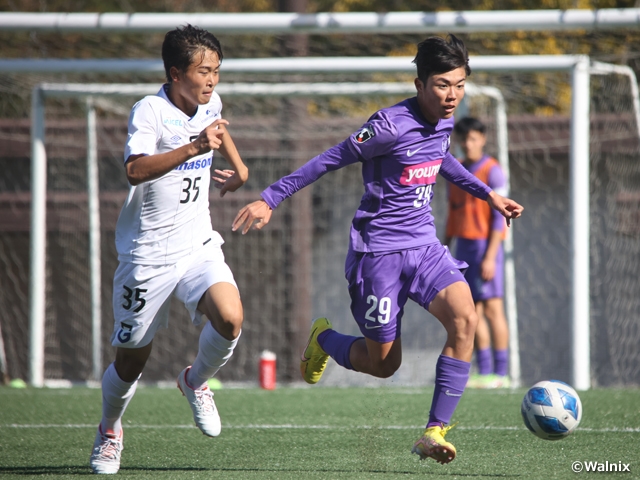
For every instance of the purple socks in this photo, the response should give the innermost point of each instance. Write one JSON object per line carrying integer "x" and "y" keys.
{"x": 501, "y": 362}
{"x": 492, "y": 361}
{"x": 337, "y": 346}
{"x": 484, "y": 359}
{"x": 451, "y": 377}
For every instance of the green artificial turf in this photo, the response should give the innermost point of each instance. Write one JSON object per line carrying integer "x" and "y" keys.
{"x": 311, "y": 433}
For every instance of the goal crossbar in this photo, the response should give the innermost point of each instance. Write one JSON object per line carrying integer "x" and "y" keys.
{"x": 403, "y": 64}
{"x": 327, "y": 22}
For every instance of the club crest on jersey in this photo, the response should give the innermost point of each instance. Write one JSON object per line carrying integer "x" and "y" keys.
{"x": 365, "y": 134}
{"x": 208, "y": 116}
{"x": 446, "y": 143}
{"x": 422, "y": 174}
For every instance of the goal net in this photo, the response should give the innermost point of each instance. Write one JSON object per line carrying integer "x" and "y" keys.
{"x": 293, "y": 269}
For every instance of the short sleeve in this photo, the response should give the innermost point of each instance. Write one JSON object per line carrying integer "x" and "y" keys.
{"x": 375, "y": 138}
{"x": 497, "y": 181}
{"x": 143, "y": 132}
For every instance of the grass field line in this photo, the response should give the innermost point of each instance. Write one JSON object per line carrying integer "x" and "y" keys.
{"x": 313, "y": 427}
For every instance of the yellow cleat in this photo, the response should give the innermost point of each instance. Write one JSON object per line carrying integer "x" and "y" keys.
{"x": 314, "y": 359}
{"x": 433, "y": 445}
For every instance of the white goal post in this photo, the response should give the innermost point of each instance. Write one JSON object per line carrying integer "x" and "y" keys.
{"x": 579, "y": 66}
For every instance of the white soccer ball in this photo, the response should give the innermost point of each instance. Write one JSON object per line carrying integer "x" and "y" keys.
{"x": 551, "y": 409}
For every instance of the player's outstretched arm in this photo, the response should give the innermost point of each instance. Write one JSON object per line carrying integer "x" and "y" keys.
{"x": 508, "y": 208}
{"x": 257, "y": 214}
{"x": 252, "y": 216}
{"x": 229, "y": 180}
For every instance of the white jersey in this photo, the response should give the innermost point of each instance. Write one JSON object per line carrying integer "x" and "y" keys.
{"x": 165, "y": 219}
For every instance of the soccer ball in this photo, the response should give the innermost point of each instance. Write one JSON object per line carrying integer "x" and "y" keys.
{"x": 551, "y": 409}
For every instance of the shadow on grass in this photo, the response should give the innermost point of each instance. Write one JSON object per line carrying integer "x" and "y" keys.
{"x": 373, "y": 471}
{"x": 85, "y": 470}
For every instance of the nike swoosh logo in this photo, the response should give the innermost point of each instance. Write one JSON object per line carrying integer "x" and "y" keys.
{"x": 411, "y": 154}
{"x": 366, "y": 325}
{"x": 449, "y": 394}
{"x": 302, "y": 357}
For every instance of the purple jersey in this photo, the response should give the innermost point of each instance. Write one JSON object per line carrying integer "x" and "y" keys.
{"x": 401, "y": 154}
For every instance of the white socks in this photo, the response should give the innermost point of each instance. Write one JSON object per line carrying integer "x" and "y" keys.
{"x": 214, "y": 351}
{"x": 116, "y": 395}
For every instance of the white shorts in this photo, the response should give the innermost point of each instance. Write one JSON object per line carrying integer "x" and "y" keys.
{"x": 142, "y": 293}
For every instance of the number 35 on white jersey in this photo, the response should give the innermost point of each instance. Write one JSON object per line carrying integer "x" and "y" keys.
{"x": 165, "y": 219}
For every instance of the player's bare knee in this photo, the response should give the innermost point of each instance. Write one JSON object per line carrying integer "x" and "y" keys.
{"x": 234, "y": 330}
{"x": 386, "y": 368}
{"x": 387, "y": 371}
{"x": 230, "y": 324}
{"x": 130, "y": 369}
{"x": 464, "y": 328}
{"x": 494, "y": 312}
{"x": 130, "y": 362}
{"x": 472, "y": 322}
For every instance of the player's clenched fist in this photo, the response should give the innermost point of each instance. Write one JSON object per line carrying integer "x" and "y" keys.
{"x": 211, "y": 137}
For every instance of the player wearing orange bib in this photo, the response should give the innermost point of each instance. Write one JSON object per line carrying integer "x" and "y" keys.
{"x": 479, "y": 234}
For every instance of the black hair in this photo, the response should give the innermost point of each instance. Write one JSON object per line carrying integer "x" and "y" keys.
{"x": 469, "y": 124}
{"x": 438, "y": 55}
{"x": 182, "y": 44}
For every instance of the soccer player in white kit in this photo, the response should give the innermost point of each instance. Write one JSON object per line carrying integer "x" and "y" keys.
{"x": 166, "y": 245}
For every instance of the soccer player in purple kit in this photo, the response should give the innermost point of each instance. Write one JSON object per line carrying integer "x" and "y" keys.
{"x": 479, "y": 232}
{"x": 394, "y": 253}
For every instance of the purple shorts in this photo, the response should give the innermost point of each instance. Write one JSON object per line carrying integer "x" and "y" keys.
{"x": 472, "y": 252}
{"x": 381, "y": 283}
